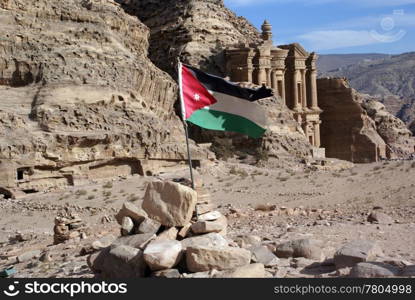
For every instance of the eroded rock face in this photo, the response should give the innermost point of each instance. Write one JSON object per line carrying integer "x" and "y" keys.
{"x": 412, "y": 128}
{"x": 346, "y": 131}
{"x": 197, "y": 31}
{"x": 358, "y": 128}
{"x": 393, "y": 130}
{"x": 80, "y": 98}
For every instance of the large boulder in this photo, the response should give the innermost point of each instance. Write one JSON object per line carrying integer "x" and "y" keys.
{"x": 408, "y": 271}
{"x": 149, "y": 226}
{"x": 300, "y": 248}
{"x": 219, "y": 225}
{"x": 168, "y": 234}
{"x": 261, "y": 254}
{"x": 374, "y": 270}
{"x": 209, "y": 240}
{"x": 169, "y": 203}
{"x": 132, "y": 211}
{"x": 118, "y": 262}
{"x": 355, "y": 252}
{"x": 139, "y": 241}
{"x": 200, "y": 259}
{"x": 162, "y": 254}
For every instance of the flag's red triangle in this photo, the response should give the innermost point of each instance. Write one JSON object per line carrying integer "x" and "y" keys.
{"x": 195, "y": 95}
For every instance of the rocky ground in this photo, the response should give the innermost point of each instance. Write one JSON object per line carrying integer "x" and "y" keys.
{"x": 327, "y": 206}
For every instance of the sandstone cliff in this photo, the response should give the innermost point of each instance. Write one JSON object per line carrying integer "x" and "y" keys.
{"x": 412, "y": 127}
{"x": 357, "y": 128}
{"x": 393, "y": 130}
{"x": 389, "y": 78}
{"x": 195, "y": 30}
{"x": 78, "y": 95}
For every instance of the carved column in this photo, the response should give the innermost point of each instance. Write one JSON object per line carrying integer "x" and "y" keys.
{"x": 262, "y": 75}
{"x": 296, "y": 105}
{"x": 304, "y": 91}
{"x": 274, "y": 81}
{"x": 317, "y": 139}
{"x": 268, "y": 72}
{"x": 283, "y": 88}
{"x": 313, "y": 87}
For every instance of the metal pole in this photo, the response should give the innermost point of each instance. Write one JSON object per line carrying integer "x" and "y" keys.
{"x": 179, "y": 66}
{"x": 188, "y": 154}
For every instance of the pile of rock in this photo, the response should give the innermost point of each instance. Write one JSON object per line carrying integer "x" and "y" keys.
{"x": 68, "y": 227}
{"x": 167, "y": 238}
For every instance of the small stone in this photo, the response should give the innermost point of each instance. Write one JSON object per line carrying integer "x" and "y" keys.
{"x": 210, "y": 216}
{"x": 204, "y": 208}
{"x": 356, "y": 252}
{"x": 103, "y": 242}
{"x": 45, "y": 257}
{"x": 127, "y": 226}
{"x": 162, "y": 254}
{"x": 249, "y": 271}
{"x": 301, "y": 262}
{"x": 184, "y": 232}
{"x": 218, "y": 225}
{"x": 265, "y": 207}
{"x": 169, "y": 273}
{"x": 207, "y": 274}
{"x": 132, "y": 211}
{"x": 261, "y": 254}
{"x": 374, "y": 270}
{"x": 28, "y": 256}
{"x": 149, "y": 226}
{"x": 248, "y": 241}
{"x": 169, "y": 234}
{"x": 210, "y": 240}
{"x": 74, "y": 234}
{"x": 379, "y": 218}
{"x": 201, "y": 259}
{"x": 300, "y": 248}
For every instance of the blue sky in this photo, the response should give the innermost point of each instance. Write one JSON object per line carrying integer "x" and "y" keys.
{"x": 336, "y": 26}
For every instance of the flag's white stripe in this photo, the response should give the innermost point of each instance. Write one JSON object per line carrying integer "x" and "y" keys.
{"x": 233, "y": 105}
{"x": 180, "y": 66}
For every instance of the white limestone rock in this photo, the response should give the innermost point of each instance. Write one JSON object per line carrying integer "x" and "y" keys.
{"x": 169, "y": 203}
{"x": 162, "y": 254}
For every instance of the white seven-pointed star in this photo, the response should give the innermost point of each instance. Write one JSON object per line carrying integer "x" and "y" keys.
{"x": 196, "y": 97}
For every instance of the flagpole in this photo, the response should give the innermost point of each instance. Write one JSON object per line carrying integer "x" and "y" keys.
{"x": 188, "y": 154}
{"x": 185, "y": 124}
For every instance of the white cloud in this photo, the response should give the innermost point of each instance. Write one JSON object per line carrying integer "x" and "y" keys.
{"x": 335, "y": 39}
{"x": 373, "y": 22}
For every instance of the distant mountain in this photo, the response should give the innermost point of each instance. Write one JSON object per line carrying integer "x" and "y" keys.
{"x": 389, "y": 78}
{"x": 331, "y": 62}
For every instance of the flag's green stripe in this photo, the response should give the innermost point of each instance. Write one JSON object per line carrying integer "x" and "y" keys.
{"x": 218, "y": 120}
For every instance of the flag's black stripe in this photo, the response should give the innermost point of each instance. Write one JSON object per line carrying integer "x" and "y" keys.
{"x": 220, "y": 85}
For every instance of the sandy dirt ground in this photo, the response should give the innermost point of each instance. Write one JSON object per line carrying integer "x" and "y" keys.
{"x": 327, "y": 205}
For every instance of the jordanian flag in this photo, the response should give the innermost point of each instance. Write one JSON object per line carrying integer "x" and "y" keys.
{"x": 213, "y": 103}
